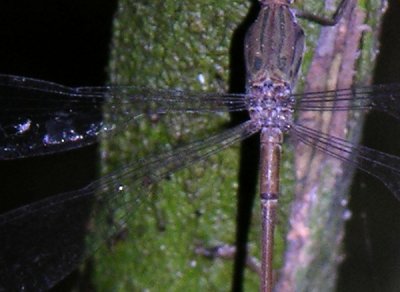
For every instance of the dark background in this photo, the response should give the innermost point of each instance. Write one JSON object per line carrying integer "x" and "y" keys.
{"x": 68, "y": 42}
{"x": 65, "y": 42}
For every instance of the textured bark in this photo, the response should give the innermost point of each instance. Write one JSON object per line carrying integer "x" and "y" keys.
{"x": 319, "y": 211}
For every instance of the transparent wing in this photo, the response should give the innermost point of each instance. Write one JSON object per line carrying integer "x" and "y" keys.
{"x": 383, "y": 166}
{"x": 41, "y": 242}
{"x": 384, "y": 98}
{"x": 40, "y": 117}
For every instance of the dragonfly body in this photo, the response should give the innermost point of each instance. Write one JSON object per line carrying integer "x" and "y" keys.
{"x": 274, "y": 48}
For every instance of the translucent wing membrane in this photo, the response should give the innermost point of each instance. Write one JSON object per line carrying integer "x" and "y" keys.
{"x": 385, "y": 98}
{"x": 41, "y": 242}
{"x": 39, "y": 117}
{"x": 381, "y": 165}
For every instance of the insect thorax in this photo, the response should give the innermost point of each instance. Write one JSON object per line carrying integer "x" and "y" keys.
{"x": 271, "y": 105}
